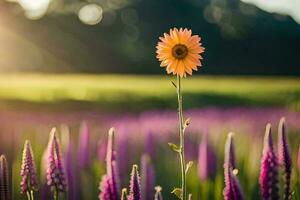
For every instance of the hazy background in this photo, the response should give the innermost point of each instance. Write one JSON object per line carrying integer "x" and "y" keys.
{"x": 119, "y": 36}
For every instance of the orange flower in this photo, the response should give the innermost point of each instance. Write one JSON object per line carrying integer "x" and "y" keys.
{"x": 180, "y": 52}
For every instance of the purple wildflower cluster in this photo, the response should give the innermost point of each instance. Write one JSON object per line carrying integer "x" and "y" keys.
{"x": 62, "y": 171}
{"x": 269, "y": 171}
{"x": 109, "y": 185}
{"x": 28, "y": 170}
{"x": 55, "y": 167}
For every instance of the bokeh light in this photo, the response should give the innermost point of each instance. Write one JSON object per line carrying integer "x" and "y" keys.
{"x": 34, "y": 9}
{"x": 90, "y": 14}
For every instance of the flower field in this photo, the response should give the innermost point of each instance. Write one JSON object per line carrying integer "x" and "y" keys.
{"x": 141, "y": 135}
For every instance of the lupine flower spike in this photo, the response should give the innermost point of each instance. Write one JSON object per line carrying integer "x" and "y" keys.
{"x": 124, "y": 194}
{"x": 109, "y": 185}
{"x": 207, "y": 167}
{"x": 269, "y": 169}
{"x": 284, "y": 158}
{"x": 158, "y": 195}
{"x": 230, "y": 151}
{"x": 147, "y": 174}
{"x": 28, "y": 172}
{"x": 135, "y": 185}
{"x": 84, "y": 145}
{"x": 4, "y": 180}
{"x": 55, "y": 171}
{"x": 232, "y": 190}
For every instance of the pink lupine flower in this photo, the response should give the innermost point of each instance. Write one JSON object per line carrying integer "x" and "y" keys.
{"x": 4, "y": 180}
{"x": 148, "y": 179}
{"x": 284, "y": 158}
{"x": 135, "y": 184}
{"x": 232, "y": 190}
{"x": 207, "y": 160}
{"x": 28, "y": 170}
{"x": 110, "y": 181}
{"x": 269, "y": 169}
{"x": 106, "y": 193}
{"x": 84, "y": 145}
{"x": 55, "y": 168}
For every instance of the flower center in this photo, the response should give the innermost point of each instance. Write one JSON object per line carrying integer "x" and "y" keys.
{"x": 179, "y": 51}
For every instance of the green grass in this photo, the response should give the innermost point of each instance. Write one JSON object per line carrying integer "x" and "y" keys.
{"x": 140, "y": 92}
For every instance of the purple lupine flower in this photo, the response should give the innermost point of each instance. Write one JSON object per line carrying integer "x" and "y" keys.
{"x": 232, "y": 190}
{"x": 135, "y": 185}
{"x": 150, "y": 145}
{"x": 110, "y": 181}
{"x": 230, "y": 151}
{"x": 105, "y": 190}
{"x": 83, "y": 151}
{"x": 284, "y": 158}
{"x": 147, "y": 178}
{"x": 28, "y": 170}
{"x": 158, "y": 195}
{"x": 207, "y": 160}
{"x": 55, "y": 170}
{"x": 4, "y": 179}
{"x": 269, "y": 169}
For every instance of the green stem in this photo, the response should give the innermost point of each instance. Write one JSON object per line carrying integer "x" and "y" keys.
{"x": 56, "y": 194}
{"x": 28, "y": 195}
{"x": 31, "y": 194}
{"x": 181, "y": 136}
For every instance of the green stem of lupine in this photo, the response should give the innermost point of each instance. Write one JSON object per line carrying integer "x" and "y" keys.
{"x": 31, "y": 194}
{"x": 28, "y": 195}
{"x": 56, "y": 194}
{"x": 181, "y": 136}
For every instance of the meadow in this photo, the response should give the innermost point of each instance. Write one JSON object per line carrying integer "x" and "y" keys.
{"x": 143, "y": 111}
{"x": 149, "y": 92}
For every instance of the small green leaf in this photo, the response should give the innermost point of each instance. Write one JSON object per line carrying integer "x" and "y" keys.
{"x": 177, "y": 192}
{"x": 188, "y": 166}
{"x": 174, "y": 147}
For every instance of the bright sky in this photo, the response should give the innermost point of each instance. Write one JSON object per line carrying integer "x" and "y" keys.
{"x": 286, "y": 7}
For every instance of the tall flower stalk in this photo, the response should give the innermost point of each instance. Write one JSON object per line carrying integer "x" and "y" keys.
{"x": 284, "y": 159}
{"x": 232, "y": 190}
{"x": 148, "y": 177}
{"x": 269, "y": 169}
{"x": 55, "y": 169}
{"x": 4, "y": 180}
{"x": 181, "y": 136}
{"x": 28, "y": 172}
{"x": 135, "y": 184}
{"x": 109, "y": 185}
{"x": 179, "y": 52}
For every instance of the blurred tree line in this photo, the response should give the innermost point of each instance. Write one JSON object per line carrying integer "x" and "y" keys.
{"x": 239, "y": 38}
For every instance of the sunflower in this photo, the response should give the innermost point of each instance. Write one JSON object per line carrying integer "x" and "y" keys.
{"x": 180, "y": 52}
